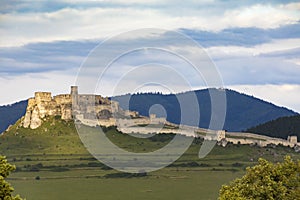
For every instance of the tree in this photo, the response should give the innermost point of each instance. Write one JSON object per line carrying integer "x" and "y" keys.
{"x": 5, "y": 188}
{"x": 266, "y": 180}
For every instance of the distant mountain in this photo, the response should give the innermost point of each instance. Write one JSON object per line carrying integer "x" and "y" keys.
{"x": 9, "y": 114}
{"x": 243, "y": 111}
{"x": 281, "y": 127}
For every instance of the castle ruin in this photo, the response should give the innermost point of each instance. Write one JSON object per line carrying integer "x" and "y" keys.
{"x": 95, "y": 110}
{"x": 89, "y": 109}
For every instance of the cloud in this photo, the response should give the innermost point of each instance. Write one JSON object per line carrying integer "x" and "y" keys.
{"x": 269, "y": 63}
{"x": 246, "y": 37}
{"x": 23, "y": 86}
{"x": 255, "y": 44}
{"x": 274, "y": 93}
{"x": 67, "y": 21}
{"x": 43, "y": 57}
{"x": 258, "y": 70}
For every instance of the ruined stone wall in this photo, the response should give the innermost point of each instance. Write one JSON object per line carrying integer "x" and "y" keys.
{"x": 42, "y": 96}
{"x": 96, "y": 122}
{"x": 292, "y": 139}
{"x": 249, "y": 135}
{"x": 63, "y": 99}
{"x": 43, "y": 105}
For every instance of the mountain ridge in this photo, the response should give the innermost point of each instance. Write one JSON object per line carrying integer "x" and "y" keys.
{"x": 243, "y": 111}
{"x": 9, "y": 114}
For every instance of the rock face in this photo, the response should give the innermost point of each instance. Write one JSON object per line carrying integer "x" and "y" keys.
{"x": 43, "y": 105}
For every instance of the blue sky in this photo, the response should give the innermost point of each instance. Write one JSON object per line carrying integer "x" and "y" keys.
{"x": 255, "y": 45}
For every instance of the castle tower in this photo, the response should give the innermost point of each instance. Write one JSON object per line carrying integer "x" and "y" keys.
{"x": 292, "y": 139}
{"x": 74, "y": 94}
{"x": 221, "y": 134}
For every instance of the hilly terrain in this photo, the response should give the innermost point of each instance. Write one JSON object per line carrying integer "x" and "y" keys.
{"x": 52, "y": 160}
{"x": 9, "y": 114}
{"x": 243, "y": 111}
{"x": 281, "y": 127}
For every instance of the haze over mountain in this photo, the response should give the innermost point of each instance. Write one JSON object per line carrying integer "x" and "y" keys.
{"x": 243, "y": 111}
{"x": 281, "y": 127}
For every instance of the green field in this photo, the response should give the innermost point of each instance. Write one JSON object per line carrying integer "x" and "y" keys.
{"x": 164, "y": 184}
{"x": 53, "y": 164}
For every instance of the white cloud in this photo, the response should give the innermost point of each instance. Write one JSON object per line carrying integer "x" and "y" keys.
{"x": 22, "y": 87}
{"x": 226, "y": 52}
{"x": 19, "y": 28}
{"x": 286, "y": 95}
{"x": 82, "y": 22}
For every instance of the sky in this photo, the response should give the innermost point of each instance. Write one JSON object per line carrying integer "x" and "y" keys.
{"x": 254, "y": 45}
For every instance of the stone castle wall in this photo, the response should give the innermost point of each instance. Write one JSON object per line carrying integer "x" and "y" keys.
{"x": 43, "y": 105}
{"x": 63, "y": 99}
{"x": 65, "y": 105}
{"x": 42, "y": 96}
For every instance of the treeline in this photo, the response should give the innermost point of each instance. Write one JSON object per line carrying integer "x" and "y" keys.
{"x": 243, "y": 111}
{"x": 281, "y": 127}
{"x": 9, "y": 114}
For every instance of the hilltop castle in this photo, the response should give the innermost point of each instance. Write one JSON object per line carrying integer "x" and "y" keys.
{"x": 95, "y": 110}
{"x": 89, "y": 109}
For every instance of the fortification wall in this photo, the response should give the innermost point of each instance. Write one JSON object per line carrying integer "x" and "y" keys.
{"x": 63, "y": 99}
{"x": 149, "y": 130}
{"x": 43, "y": 105}
{"x": 42, "y": 96}
{"x": 101, "y": 100}
{"x": 249, "y": 135}
{"x": 94, "y": 122}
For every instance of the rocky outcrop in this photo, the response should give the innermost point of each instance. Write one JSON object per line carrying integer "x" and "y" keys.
{"x": 89, "y": 109}
{"x": 43, "y": 105}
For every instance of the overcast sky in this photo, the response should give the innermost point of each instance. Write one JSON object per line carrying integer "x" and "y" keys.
{"x": 255, "y": 45}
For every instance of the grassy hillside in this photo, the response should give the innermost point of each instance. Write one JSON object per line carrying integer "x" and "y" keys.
{"x": 52, "y": 160}
{"x": 281, "y": 127}
{"x": 243, "y": 111}
{"x": 9, "y": 114}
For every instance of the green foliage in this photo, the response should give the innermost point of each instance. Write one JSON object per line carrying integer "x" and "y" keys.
{"x": 266, "y": 181}
{"x": 11, "y": 113}
{"x": 5, "y": 188}
{"x": 281, "y": 127}
{"x": 126, "y": 175}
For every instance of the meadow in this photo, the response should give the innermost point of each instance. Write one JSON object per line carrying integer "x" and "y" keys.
{"x": 52, "y": 164}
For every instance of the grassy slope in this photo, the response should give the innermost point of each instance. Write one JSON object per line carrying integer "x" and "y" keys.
{"x": 55, "y": 153}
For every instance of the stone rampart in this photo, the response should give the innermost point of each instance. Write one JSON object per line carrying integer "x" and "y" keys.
{"x": 42, "y": 96}
{"x": 63, "y": 99}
